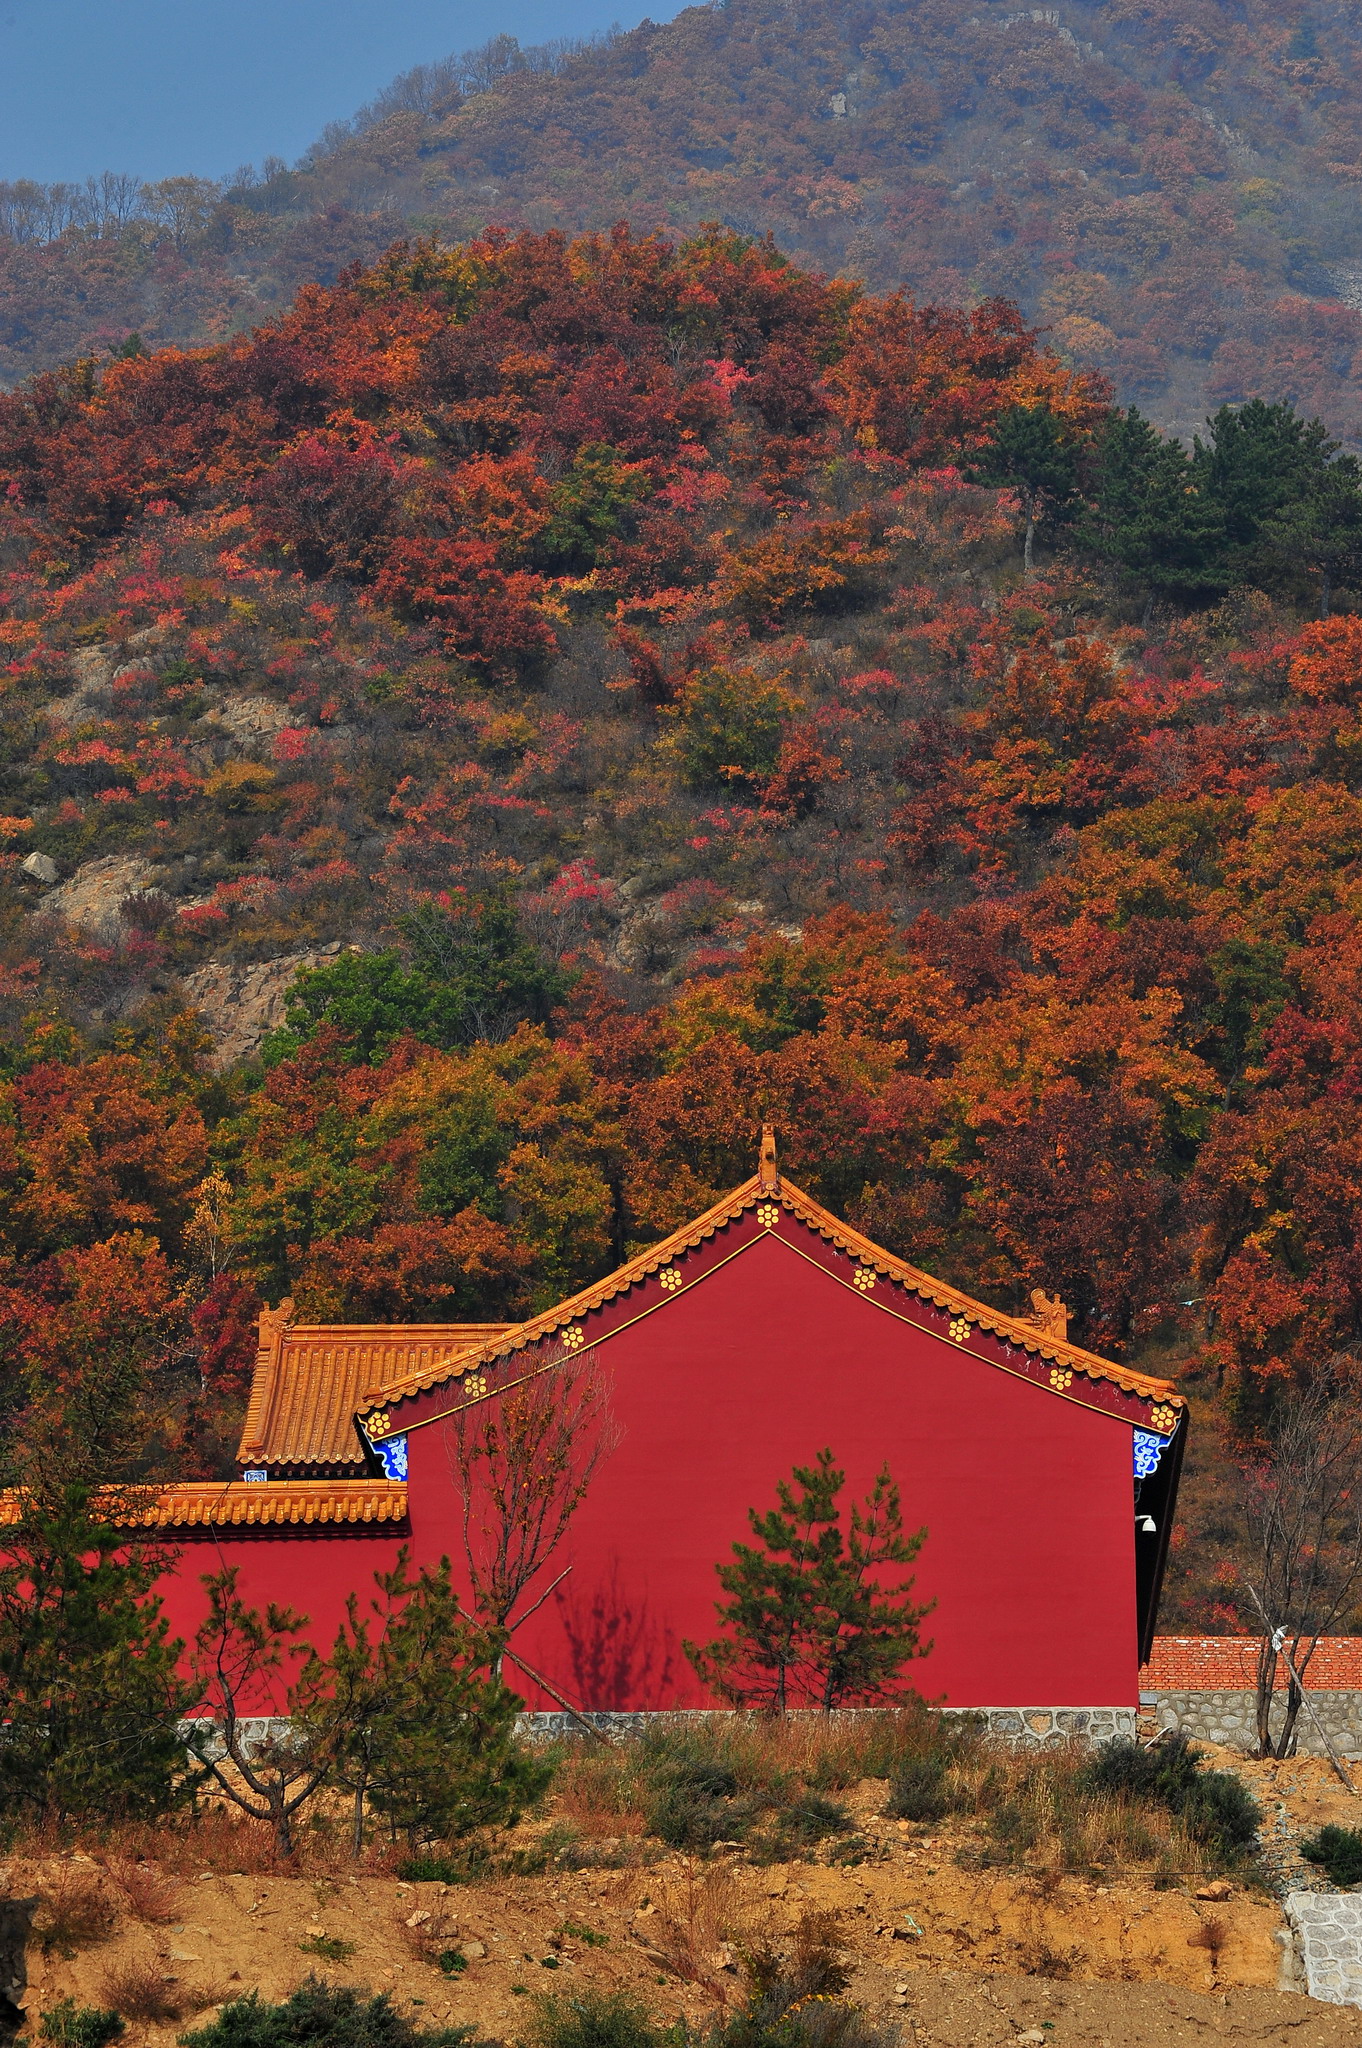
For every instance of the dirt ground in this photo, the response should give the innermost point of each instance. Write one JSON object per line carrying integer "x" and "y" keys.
{"x": 945, "y": 1955}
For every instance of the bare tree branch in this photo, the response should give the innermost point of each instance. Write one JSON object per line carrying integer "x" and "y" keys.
{"x": 523, "y": 1461}
{"x": 1300, "y": 1497}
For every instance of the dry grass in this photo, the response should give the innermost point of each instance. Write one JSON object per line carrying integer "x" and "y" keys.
{"x": 140, "y": 1991}
{"x": 697, "y": 1917}
{"x": 152, "y": 1894}
{"x": 75, "y": 1911}
{"x": 427, "y": 1933}
{"x": 1213, "y": 1935}
{"x": 1038, "y": 1816}
{"x": 601, "y": 1794}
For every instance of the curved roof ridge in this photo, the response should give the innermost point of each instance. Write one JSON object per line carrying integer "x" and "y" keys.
{"x": 1012, "y": 1329}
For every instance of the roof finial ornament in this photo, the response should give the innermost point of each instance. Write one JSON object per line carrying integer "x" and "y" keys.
{"x": 1049, "y": 1313}
{"x": 768, "y": 1171}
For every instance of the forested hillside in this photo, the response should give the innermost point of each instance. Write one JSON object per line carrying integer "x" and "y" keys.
{"x": 610, "y": 673}
{"x": 1171, "y": 189}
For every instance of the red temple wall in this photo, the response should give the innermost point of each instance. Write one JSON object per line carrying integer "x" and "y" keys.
{"x": 314, "y": 1573}
{"x": 1027, "y": 1498}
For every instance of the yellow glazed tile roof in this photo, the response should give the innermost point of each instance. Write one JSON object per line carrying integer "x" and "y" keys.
{"x": 766, "y": 1186}
{"x": 310, "y": 1378}
{"x": 248, "y": 1504}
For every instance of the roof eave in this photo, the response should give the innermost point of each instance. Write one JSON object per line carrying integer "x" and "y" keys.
{"x": 1011, "y": 1329}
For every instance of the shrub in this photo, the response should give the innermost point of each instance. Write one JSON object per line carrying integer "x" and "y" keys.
{"x": 1214, "y": 1806}
{"x": 152, "y": 1894}
{"x": 329, "y": 1947}
{"x": 466, "y": 1868}
{"x": 693, "y": 1803}
{"x": 1338, "y": 1852}
{"x": 321, "y": 2016}
{"x": 140, "y": 1992}
{"x": 69, "y": 2025}
{"x": 796, "y": 2002}
{"x": 596, "y": 2019}
{"x": 919, "y": 1790}
{"x": 74, "y": 1914}
{"x": 807, "y": 1819}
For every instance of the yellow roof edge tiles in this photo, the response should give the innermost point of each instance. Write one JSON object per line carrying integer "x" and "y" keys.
{"x": 1012, "y": 1329}
{"x": 245, "y": 1504}
{"x": 310, "y": 1379}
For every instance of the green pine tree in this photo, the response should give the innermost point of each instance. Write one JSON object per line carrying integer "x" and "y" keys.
{"x": 1320, "y": 530}
{"x": 1036, "y": 453}
{"x": 90, "y": 1690}
{"x": 809, "y": 1619}
{"x": 1153, "y": 516}
{"x": 425, "y": 1735}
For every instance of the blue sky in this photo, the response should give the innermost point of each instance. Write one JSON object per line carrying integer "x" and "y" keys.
{"x": 157, "y": 87}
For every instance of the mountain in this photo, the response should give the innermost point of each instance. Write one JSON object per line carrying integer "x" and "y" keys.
{"x": 476, "y": 747}
{"x": 1172, "y": 191}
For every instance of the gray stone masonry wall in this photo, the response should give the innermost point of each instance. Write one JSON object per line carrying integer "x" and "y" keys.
{"x": 1326, "y": 1937}
{"x": 1022, "y": 1725}
{"x": 1231, "y": 1718}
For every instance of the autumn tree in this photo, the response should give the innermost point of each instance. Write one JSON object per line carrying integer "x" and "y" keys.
{"x": 252, "y": 1665}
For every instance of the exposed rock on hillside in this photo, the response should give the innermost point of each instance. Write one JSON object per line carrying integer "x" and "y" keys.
{"x": 92, "y": 898}
{"x": 241, "y": 1001}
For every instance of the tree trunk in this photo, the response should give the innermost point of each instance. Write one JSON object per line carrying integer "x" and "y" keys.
{"x": 357, "y": 1839}
{"x": 283, "y": 1829}
{"x": 1326, "y": 591}
{"x": 1030, "y": 535}
{"x": 1267, "y": 1672}
{"x": 1286, "y": 1740}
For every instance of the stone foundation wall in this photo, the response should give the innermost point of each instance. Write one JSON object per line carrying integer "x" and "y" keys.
{"x": 1326, "y": 1945}
{"x": 1231, "y": 1718}
{"x": 1022, "y": 1725}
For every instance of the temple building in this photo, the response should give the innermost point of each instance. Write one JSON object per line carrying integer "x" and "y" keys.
{"x": 740, "y": 1346}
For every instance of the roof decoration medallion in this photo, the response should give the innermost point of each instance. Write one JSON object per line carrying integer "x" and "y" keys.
{"x": 473, "y": 1384}
{"x": 768, "y": 1215}
{"x": 670, "y": 1276}
{"x": 863, "y": 1279}
{"x": 1061, "y": 1378}
{"x": 573, "y": 1337}
{"x": 960, "y": 1329}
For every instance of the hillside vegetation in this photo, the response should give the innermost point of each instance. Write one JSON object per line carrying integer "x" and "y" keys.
{"x": 606, "y": 669}
{"x": 1171, "y": 188}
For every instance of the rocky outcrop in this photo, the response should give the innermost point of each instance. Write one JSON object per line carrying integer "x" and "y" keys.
{"x": 92, "y": 898}
{"x": 249, "y": 720}
{"x": 95, "y": 670}
{"x": 241, "y": 1001}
